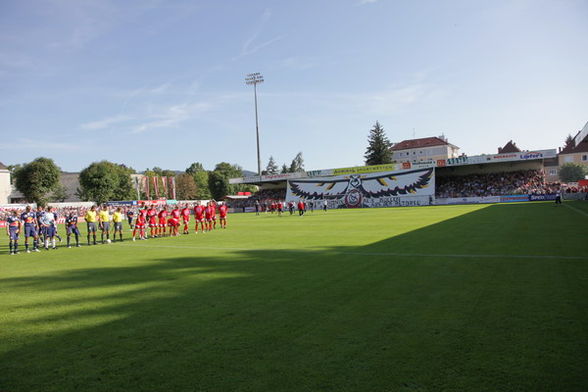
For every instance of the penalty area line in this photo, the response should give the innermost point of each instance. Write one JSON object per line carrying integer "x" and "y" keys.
{"x": 576, "y": 209}
{"x": 389, "y": 254}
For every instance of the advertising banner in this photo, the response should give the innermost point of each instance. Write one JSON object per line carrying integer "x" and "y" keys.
{"x": 15, "y": 206}
{"x": 468, "y": 200}
{"x": 122, "y": 203}
{"x": 513, "y": 198}
{"x": 542, "y": 197}
{"x": 384, "y": 189}
{"x": 575, "y": 196}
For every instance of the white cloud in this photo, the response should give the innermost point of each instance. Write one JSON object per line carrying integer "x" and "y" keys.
{"x": 297, "y": 63}
{"x": 249, "y": 46}
{"x": 30, "y": 144}
{"x": 172, "y": 116}
{"x": 105, "y": 123}
{"x": 362, "y": 2}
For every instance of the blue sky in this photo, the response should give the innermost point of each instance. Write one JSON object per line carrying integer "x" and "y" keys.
{"x": 161, "y": 83}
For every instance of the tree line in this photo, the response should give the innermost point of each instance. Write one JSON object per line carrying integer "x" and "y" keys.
{"x": 102, "y": 181}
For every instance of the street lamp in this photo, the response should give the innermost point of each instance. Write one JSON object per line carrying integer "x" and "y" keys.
{"x": 254, "y": 79}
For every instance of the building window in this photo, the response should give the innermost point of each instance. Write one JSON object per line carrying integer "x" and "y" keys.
{"x": 585, "y": 157}
{"x": 552, "y": 172}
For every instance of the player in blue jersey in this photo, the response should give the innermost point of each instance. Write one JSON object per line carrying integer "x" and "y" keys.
{"x": 71, "y": 225}
{"x": 13, "y": 226}
{"x": 40, "y": 229}
{"x": 29, "y": 220}
{"x": 54, "y": 211}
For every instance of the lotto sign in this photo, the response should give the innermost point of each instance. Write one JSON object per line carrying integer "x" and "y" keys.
{"x": 385, "y": 189}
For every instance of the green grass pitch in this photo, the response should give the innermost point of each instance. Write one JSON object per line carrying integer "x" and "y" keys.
{"x": 448, "y": 298}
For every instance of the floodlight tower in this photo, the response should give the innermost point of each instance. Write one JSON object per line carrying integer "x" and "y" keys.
{"x": 254, "y": 79}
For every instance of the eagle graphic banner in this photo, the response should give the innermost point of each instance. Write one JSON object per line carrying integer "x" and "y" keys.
{"x": 384, "y": 189}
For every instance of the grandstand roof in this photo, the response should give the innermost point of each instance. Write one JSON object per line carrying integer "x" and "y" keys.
{"x": 582, "y": 146}
{"x": 420, "y": 143}
{"x": 509, "y": 148}
{"x": 2, "y": 167}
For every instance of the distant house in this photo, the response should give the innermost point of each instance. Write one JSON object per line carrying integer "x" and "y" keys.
{"x": 509, "y": 147}
{"x": 576, "y": 152}
{"x": 70, "y": 182}
{"x": 424, "y": 149}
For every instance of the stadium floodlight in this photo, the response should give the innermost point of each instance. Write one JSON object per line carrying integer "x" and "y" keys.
{"x": 254, "y": 79}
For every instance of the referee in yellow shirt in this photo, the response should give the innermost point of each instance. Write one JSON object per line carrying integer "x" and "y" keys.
{"x": 90, "y": 219}
{"x": 117, "y": 218}
{"x": 104, "y": 219}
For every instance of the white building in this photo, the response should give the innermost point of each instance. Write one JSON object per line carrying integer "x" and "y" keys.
{"x": 424, "y": 149}
{"x": 5, "y": 187}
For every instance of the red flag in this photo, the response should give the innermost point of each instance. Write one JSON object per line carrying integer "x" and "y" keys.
{"x": 146, "y": 183}
{"x": 164, "y": 187}
{"x": 156, "y": 186}
{"x": 173, "y": 187}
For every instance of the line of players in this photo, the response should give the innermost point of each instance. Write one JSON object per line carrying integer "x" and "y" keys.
{"x": 158, "y": 220}
{"x": 41, "y": 225}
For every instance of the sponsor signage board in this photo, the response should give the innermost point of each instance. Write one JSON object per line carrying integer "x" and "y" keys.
{"x": 468, "y": 200}
{"x": 480, "y": 159}
{"x": 513, "y": 198}
{"x": 123, "y": 203}
{"x": 542, "y": 197}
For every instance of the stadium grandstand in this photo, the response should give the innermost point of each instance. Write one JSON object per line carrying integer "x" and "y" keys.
{"x": 509, "y": 175}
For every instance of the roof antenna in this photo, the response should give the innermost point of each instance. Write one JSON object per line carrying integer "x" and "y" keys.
{"x": 413, "y": 134}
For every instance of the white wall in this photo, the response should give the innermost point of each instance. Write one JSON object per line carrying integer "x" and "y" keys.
{"x": 5, "y": 187}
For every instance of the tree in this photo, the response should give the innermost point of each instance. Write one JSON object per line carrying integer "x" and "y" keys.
{"x": 572, "y": 172}
{"x": 297, "y": 164}
{"x": 569, "y": 142}
{"x": 125, "y": 189}
{"x": 378, "y": 150}
{"x": 59, "y": 194}
{"x": 228, "y": 170}
{"x": 201, "y": 181}
{"x": 104, "y": 181}
{"x": 36, "y": 180}
{"x": 13, "y": 170}
{"x": 218, "y": 184}
{"x": 195, "y": 168}
{"x": 185, "y": 187}
{"x": 284, "y": 169}
{"x": 272, "y": 166}
{"x": 200, "y": 175}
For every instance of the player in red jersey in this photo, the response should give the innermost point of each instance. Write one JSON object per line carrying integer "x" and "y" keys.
{"x": 301, "y": 207}
{"x": 152, "y": 219}
{"x": 208, "y": 216}
{"x": 162, "y": 215}
{"x": 175, "y": 214}
{"x": 223, "y": 210}
{"x": 213, "y": 212}
{"x": 186, "y": 218}
{"x": 199, "y": 218}
{"x": 280, "y": 207}
{"x": 140, "y": 226}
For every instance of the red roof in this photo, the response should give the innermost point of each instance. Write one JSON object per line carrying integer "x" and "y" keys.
{"x": 509, "y": 148}
{"x": 419, "y": 143}
{"x": 572, "y": 149}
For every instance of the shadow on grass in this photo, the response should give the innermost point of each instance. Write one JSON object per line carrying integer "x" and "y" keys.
{"x": 339, "y": 319}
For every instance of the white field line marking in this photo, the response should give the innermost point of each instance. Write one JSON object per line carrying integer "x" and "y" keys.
{"x": 576, "y": 209}
{"x": 434, "y": 255}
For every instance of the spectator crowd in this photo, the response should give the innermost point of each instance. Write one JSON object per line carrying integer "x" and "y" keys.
{"x": 495, "y": 184}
